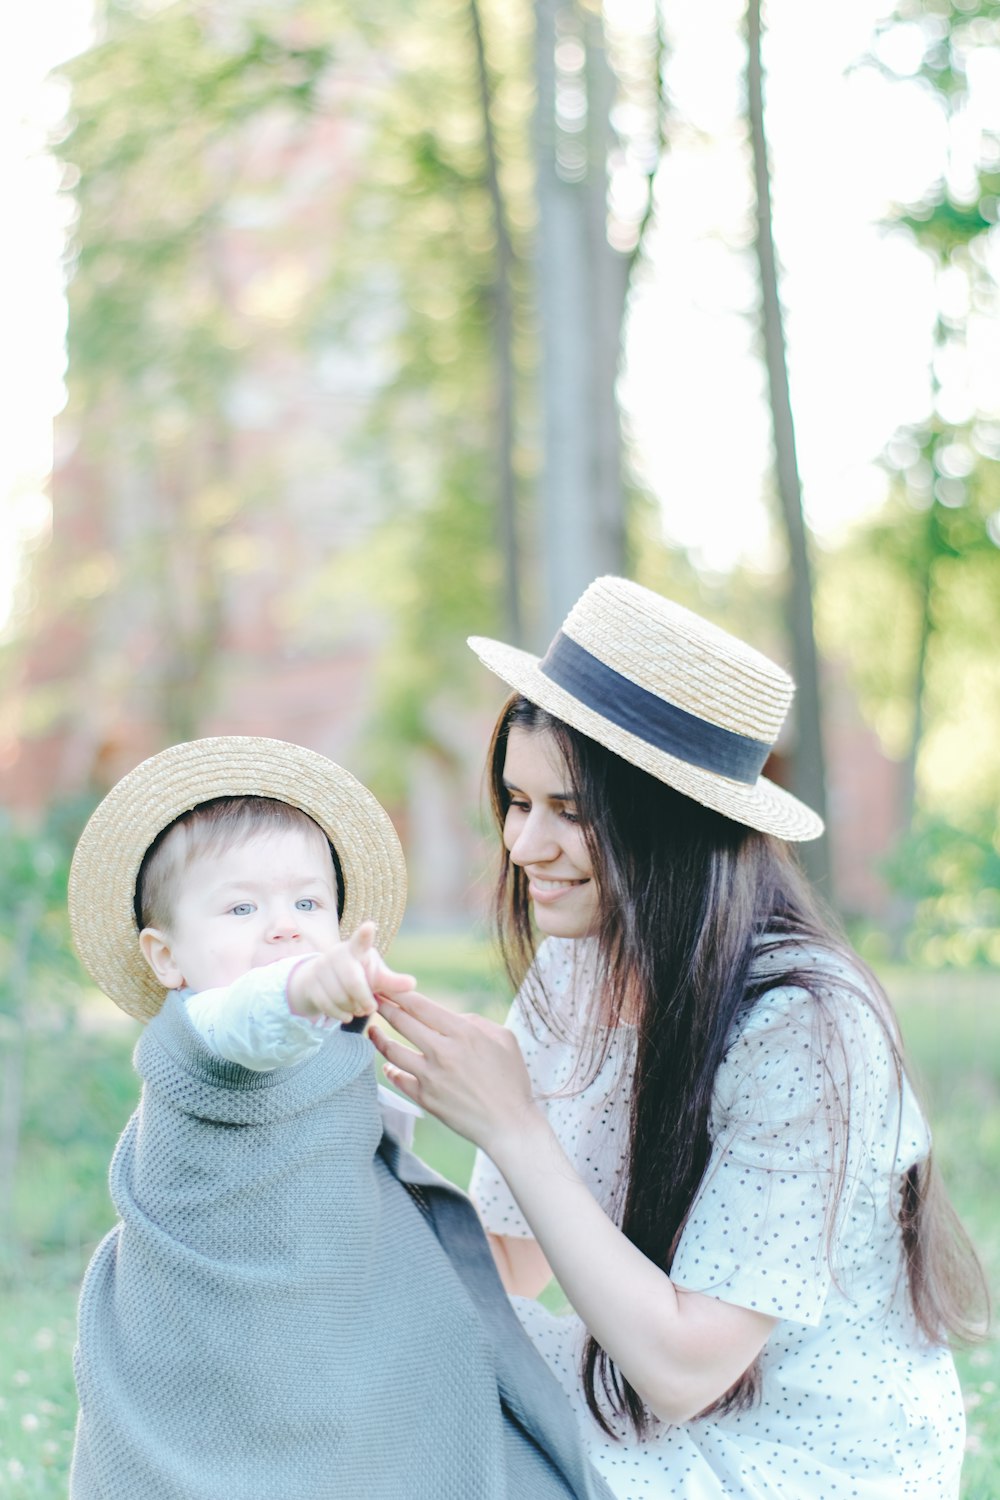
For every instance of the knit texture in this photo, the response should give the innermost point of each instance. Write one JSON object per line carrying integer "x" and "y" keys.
{"x": 275, "y": 1316}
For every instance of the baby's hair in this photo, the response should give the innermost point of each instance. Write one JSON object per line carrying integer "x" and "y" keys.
{"x": 213, "y": 828}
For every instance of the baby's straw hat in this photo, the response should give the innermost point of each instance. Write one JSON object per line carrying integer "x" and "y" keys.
{"x": 106, "y": 864}
{"x": 664, "y": 689}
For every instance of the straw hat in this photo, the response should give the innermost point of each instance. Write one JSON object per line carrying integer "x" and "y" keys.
{"x": 664, "y": 689}
{"x": 106, "y": 864}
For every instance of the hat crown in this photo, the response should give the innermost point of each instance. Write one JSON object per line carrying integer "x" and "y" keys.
{"x": 681, "y": 658}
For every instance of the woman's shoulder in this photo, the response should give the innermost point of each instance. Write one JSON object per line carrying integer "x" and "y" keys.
{"x": 802, "y": 978}
{"x": 814, "y": 1018}
{"x": 817, "y": 1044}
{"x": 804, "y": 997}
{"x": 776, "y": 955}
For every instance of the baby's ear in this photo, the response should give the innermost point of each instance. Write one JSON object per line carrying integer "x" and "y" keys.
{"x": 156, "y": 950}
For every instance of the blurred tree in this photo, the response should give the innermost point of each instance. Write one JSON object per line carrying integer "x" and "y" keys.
{"x": 455, "y": 254}
{"x": 919, "y": 586}
{"x": 428, "y": 285}
{"x": 163, "y": 110}
{"x": 503, "y": 323}
{"x": 808, "y": 761}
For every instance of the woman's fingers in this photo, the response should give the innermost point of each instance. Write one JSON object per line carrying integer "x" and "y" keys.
{"x": 405, "y": 1082}
{"x": 421, "y": 1022}
{"x": 398, "y": 1056}
{"x": 429, "y": 1013}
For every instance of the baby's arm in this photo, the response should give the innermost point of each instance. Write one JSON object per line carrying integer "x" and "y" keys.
{"x": 343, "y": 982}
{"x": 256, "y": 1022}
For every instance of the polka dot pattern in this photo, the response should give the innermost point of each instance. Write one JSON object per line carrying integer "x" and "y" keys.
{"x": 855, "y": 1403}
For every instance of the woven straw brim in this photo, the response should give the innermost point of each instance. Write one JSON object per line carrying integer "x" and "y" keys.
{"x": 761, "y": 805}
{"x": 112, "y": 846}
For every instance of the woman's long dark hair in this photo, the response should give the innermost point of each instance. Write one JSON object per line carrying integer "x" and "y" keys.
{"x": 688, "y": 899}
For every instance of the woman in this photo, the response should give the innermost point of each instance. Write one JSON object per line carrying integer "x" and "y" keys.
{"x": 698, "y": 1119}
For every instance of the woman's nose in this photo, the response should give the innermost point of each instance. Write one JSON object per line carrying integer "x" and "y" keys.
{"x": 534, "y": 842}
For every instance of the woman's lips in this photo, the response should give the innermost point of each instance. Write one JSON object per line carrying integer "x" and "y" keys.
{"x": 546, "y": 891}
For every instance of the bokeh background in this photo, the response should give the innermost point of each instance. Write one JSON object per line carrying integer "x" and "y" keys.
{"x": 333, "y": 334}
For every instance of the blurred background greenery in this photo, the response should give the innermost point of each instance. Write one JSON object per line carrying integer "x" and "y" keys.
{"x": 349, "y": 293}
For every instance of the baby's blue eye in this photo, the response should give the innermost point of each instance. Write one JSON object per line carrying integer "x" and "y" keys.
{"x": 306, "y": 904}
{"x": 243, "y": 908}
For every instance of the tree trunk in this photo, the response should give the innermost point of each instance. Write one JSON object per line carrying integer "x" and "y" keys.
{"x": 809, "y": 775}
{"x": 580, "y": 304}
{"x": 902, "y": 906}
{"x": 503, "y": 344}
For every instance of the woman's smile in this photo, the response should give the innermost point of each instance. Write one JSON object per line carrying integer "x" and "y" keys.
{"x": 548, "y": 889}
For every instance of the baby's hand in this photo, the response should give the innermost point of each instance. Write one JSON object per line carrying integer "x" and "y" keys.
{"x": 344, "y": 982}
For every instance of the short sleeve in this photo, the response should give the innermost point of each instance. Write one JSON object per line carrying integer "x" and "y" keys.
{"x": 805, "y": 1116}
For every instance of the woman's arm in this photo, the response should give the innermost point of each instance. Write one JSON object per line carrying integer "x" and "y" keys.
{"x": 521, "y": 1263}
{"x": 680, "y": 1350}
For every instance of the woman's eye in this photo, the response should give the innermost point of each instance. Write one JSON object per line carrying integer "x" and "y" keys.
{"x": 515, "y": 806}
{"x": 569, "y": 817}
{"x": 243, "y": 908}
{"x": 305, "y": 904}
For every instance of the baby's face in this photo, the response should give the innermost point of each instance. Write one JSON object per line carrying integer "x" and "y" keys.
{"x": 262, "y": 900}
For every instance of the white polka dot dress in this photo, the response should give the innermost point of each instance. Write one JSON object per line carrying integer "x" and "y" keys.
{"x": 856, "y": 1405}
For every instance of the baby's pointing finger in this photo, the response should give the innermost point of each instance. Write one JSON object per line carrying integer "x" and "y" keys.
{"x": 361, "y": 941}
{"x": 387, "y": 981}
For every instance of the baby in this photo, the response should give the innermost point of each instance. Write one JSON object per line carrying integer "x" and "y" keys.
{"x": 290, "y": 1304}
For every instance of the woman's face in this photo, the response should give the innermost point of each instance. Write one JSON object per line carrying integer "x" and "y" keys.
{"x": 543, "y": 835}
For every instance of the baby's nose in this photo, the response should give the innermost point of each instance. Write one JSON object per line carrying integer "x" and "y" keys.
{"x": 285, "y": 928}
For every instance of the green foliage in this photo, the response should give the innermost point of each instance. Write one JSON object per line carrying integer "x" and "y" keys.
{"x": 35, "y": 952}
{"x": 952, "y": 877}
{"x": 160, "y": 110}
{"x": 949, "y": 30}
{"x": 929, "y": 556}
{"x": 421, "y": 262}
{"x": 913, "y": 601}
{"x": 79, "y": 1090}
{"x": 944, "y": 225}
{"x": 913, "y": 604}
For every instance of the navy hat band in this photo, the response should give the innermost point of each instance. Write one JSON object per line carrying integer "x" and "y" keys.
{"x": 660, "y": 724}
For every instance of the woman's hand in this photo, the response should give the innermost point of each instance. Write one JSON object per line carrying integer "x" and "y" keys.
{"x": 466, "y": 1070}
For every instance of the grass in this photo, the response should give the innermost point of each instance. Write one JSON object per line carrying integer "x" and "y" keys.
{"x": 79, "y": 1089}
{"x": 951, "y": 1025}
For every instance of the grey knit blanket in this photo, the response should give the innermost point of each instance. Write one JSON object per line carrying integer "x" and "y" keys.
{"x": 294, "y": 1308}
